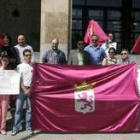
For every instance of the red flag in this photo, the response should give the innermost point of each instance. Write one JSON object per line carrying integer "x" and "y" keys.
{"x": 85, "y": 99}
{"x": 136, "y": 47}
{"x": 1, "y": 41}
{"x": 94, "y": 29}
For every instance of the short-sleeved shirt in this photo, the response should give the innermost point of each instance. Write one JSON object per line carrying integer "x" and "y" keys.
{"x": 97, "y": 54}
{"x": 20, "y": 50}
{"x": 26, "y": 73}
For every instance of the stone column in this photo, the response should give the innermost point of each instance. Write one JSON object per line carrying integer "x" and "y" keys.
{"x": 55, "y": 23}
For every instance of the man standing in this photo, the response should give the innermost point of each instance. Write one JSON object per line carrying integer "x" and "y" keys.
{"x": 125, "y": 57}
{"x": 79, "y": 56}
{"x": 97, "y": 54}
{"x": 25, "y": 69}
{"x": 54, "y": 56}
{"x": 21, "y": 46}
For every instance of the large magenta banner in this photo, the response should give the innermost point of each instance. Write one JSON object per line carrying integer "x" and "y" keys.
{"x": 85, "y": 98}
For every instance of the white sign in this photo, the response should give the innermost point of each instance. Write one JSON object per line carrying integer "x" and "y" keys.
{"x": 9, "y": 82}
{"x": 84, "y": 101}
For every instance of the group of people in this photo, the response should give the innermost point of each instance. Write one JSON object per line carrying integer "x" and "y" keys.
{"x": 21, "y": 57}
{"x": 93, "y": 54}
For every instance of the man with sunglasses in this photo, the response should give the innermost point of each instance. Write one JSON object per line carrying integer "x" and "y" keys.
{"x": 96, "y": 52}
{"x": 25, "y": 68}
{"x": 125, "y": 57}
{"x": 79, "y": 56}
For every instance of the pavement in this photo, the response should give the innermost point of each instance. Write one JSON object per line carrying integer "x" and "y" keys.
{"x": 23, "y": 135}
{"x": 53, "y": 136}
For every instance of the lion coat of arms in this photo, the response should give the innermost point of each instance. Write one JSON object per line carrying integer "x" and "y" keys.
{"x": 84, "y": 98}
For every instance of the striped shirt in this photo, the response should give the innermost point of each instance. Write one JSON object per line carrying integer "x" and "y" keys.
{"x": 54, "y": 57}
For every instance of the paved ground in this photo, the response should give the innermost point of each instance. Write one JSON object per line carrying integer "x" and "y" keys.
{"x": 23, "y": 135}
{"x": 53, "y": 136}
{"x": 45, "y": 136}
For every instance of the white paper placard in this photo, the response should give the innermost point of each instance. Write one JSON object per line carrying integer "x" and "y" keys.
{"x": 9, "y": 82}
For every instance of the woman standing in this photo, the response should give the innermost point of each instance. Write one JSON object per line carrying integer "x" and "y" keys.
{"x": 111, "y": 59}
{"x": 13, "y": 61}
{"x": 109, "y": 43}
{"x": 4, "y": 99}
{"x": 11, "y": 51}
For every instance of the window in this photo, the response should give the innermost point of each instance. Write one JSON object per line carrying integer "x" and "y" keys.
{"x": 111, "y": 3}
{"x": 77, "y": 13}
{"x": 113, "y": 15}
{"x": 136, "y": 3}
{"x": 78, "y": 2}
{"x": 96, "y": 14}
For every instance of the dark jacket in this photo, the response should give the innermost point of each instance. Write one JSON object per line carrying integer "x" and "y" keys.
{"x": 73, "y": 58}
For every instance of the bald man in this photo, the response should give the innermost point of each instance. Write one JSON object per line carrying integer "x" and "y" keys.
{"x": 21, "y": 46}
{"x": 54, "y": 55}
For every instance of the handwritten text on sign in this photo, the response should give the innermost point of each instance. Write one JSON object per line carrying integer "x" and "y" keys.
{"x": 9, "y": 82}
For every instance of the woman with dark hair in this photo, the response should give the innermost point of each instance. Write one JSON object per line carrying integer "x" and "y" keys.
{"x": 111, "y": 59}
{"x": 4, "y": 99}
{"x": 109, "y": 43}
{"x": 13, "y": 61}
{"x": 7, "y": 47}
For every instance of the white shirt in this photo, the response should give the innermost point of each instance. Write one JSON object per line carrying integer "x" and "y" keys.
{"x": 26, "y": 73}
{"x": 110, "y": 45}
{"x": 20, "y": 50}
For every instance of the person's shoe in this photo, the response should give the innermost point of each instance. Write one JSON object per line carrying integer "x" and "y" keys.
{"x": 14, "y": 133}
{"x": 30, "y": 132}
{"x": 3, "y": 132}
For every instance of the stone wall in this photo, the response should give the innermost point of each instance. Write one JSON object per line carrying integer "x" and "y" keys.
{"x": 55, "y": 23}
{"x": 21, "y": 17}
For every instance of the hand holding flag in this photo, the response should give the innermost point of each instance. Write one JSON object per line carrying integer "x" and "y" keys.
{"x": 136, "y": 47}
{"x": 94, "y": 29}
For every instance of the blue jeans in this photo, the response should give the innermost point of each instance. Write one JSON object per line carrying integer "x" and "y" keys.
{"x": 19, "y": 108}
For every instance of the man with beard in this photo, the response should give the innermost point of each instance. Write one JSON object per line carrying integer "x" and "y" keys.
{"x": 54, "y": 55}
{"x": 21, "y": 46}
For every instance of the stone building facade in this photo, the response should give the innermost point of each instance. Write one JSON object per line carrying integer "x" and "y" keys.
{"x": 43, "y": 20}
{"x": 21, "y": 17}
{"x": 39, "y": 20}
